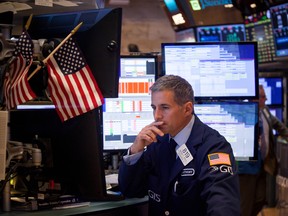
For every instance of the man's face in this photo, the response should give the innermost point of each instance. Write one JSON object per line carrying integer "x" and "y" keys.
{"x": 173, "y": 116}
{"x": 262, "y": 97}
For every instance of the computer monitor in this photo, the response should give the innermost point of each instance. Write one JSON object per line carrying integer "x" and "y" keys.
{"x": 186, "y": 35}
{"x": 274, "y": 89}
{"x": 229, "y": 32}
{"x": 259, "y": 28}
{"x": 217, "y": 70}
{"x": 99, "y": 39}
{"x": 125, "y": 116}
{"x": 279, "y": 15}
{"x": 236, "y": 121}
{"x": 76, "y": 145}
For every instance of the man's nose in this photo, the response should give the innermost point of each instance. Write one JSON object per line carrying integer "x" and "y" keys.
{"x": 157, "y": 114}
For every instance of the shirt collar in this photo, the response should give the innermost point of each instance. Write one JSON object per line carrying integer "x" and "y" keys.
{"x": 182, "y": 137}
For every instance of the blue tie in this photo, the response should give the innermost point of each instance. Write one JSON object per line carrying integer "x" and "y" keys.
{"x": 173, "y": 145}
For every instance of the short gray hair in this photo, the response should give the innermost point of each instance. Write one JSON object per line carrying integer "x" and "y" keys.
{"x": 183, "y": 91}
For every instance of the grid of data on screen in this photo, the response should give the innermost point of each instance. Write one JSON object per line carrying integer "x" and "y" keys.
{"x": 235, "y": 121}
{"x": 214, "y": 70}
{"x": 259, "y": 28}
{"x": 125, "y": 116}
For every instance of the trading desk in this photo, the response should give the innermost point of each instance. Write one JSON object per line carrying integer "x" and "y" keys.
{"x": 131, "y": 207}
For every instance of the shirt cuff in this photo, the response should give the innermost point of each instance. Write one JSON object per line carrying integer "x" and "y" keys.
{"x": 132, "y": 159}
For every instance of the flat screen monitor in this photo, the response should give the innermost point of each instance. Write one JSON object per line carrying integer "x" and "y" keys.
{"x": 125, "y": 116}
{"x": 99, "y": 39}
{"x": 236, "y": 121}
{"x": 279, "y": 15}
{"x": 186, "y": 35}
{"x": 229, "y": 32}
{"x": 259, "y": 28}
{"x": 76, "y": 156}
{"x": 217, "y": 70}
{"x": 273, "y": 87}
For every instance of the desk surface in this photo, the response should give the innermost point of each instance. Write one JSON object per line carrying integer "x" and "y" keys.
{"x": 92, "y": 208}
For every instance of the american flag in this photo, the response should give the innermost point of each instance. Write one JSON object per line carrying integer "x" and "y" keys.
{"x": 219, "y": 158}
{"x": 16, "y": 87}
{"x": 73, "y": 88}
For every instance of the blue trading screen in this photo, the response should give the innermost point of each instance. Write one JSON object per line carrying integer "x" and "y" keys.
{"x": 237, "y": 122}
{"x": 279, "y": 19}
{"x": 205, "y": 4}
{"x": 231, "y": 33}
{"x": 273, "y": 87}
{"x": 216, "y": 69}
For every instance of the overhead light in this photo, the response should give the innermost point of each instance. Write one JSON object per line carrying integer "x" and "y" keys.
{"x": 195, "y": 5}
{"x": 253, "y": 5}
{"x": 228, "y": 5}
{"x": 178, "y": 19}
{"x": 119, "y": 2}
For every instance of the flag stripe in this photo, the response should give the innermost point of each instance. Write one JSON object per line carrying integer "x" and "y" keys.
{"x": 75, "y": 88}
{"x": 93, "y": 87}
{"x": 83, "y": 99}
{"x": 62, "y": 97}
{"x": 23, "y": 90}
{"x": 56, "y": 97}
{"x": 17, "y": 88}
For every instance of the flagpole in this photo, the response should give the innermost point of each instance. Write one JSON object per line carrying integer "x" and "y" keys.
{"x": 28, "y": 22}
{"x": 55, "y": 50}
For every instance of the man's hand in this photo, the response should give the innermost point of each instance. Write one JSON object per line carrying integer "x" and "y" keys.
{"x": 146, "y": 136}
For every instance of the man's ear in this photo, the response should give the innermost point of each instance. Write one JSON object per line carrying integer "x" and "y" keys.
{"x": 189, "y": 107}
